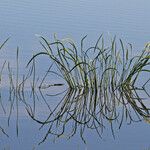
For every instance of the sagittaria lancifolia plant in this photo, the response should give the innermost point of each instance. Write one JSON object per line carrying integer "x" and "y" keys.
{"x": 98, "y": 66}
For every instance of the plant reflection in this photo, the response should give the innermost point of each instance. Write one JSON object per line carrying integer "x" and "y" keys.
{"x": 85, "y": 108}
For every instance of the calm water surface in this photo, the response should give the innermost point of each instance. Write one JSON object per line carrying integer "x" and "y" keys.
{"x": 23, "y": 19}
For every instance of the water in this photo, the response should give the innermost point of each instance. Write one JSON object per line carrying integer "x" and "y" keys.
{"x": 129, "y": 136}
{"x": 22, "y": 20}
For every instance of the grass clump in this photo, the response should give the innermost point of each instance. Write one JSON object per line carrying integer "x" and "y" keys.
{"x": 98, "y": 66}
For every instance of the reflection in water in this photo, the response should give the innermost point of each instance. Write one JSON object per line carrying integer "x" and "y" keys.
{"x": 84, "y": 109}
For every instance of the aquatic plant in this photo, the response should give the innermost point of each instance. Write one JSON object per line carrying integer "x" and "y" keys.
{"x": 1, "y": 46}
{"x": 101, "y": 80}
{"x": 102, "y": 87}
{"x": 99, "y": 66}
{"x": 3, "y": 65}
